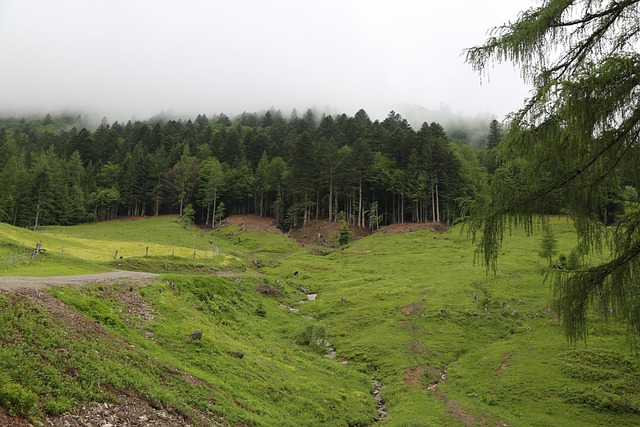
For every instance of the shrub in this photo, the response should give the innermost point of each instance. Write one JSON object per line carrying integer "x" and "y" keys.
{"x": 346, "y": 235}
{"x": 314, "y": 336}
{"x": 17, "y": 400}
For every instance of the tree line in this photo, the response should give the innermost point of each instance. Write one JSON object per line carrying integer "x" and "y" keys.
{"x": 367, "y": 173}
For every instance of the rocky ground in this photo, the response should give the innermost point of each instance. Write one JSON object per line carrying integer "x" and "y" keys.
{"x": 129, "y": 412}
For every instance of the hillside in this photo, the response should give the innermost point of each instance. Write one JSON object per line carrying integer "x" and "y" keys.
{"x": 246, "y": 327}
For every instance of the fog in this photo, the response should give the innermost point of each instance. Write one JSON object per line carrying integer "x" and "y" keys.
{"x": 132, "y": 59}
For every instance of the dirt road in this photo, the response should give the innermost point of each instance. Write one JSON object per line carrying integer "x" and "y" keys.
{"x": 16, "y": 282}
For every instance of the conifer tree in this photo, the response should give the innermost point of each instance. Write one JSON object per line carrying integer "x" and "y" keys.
{"x": 570, "y": 141}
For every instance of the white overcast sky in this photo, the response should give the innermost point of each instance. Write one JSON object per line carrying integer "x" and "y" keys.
{"x": 136, "y": 58}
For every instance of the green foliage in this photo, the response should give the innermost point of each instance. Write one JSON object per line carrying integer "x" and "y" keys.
{"x": 220, "y": 212}
{"x": 548, "y": 244}
{"x": 188, "y": 213}
{"x": 304, "y": 166}
{"x": 314, "y": 336}
{"x": 346, "y": 235}
{"x": 573, "y": 146}
{"x": 606, "y": 378}
{"x": 16, "y": 400}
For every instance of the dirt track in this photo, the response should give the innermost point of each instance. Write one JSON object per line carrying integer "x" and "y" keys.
{"x": 17, "y": 282}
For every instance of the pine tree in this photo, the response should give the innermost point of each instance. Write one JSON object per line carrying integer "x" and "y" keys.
{"x": 495, "y": 134}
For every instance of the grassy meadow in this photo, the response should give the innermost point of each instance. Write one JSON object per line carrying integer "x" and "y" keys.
{"x": 450, "y": 344}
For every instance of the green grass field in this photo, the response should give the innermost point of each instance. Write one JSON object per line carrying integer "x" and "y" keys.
{"x": 450, "y": 344}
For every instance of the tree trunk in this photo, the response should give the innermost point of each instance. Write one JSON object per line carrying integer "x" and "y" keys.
{"x": 35, "y": 227}
{"x": 360, "y": 213}
{"x": 437, "y": 204}
{"x": 330, "y": 197}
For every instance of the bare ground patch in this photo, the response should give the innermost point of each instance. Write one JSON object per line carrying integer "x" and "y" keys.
{"x": 412, "y": 309}
{"x": 458, "y": 411}
{"x": 137, "y": 311}
{"x": 505, "y": 363}
{"x": 252, "y": 223}
{"x": 413, "y": 375}
{"x": 7, "y": 421}
{"x": 408, "y": 227}
{"x": 323, "y": 233}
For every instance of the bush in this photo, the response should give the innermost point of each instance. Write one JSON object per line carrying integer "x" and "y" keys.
{"x": 188, "y": 214}
{"x": 17, "y": 400}
{"x": 314, "y": 336}
{"x": 346, "y": 235}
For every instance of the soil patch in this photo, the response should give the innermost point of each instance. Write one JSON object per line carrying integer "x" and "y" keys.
{"x": 408, "y": 227}
{"x": 457, "y": 411}
{"x": 323, "y": 233}
{"x": 505, "y": 363}
{"x": 137, "y": 311}
{"x": 252, "y": 223}
{"x": 414, "y": 374}
{"x": 7, "y": 421}
{"x": 412, "y": 309}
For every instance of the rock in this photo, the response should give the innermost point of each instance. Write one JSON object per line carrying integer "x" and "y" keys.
{"x": 196, "y": 335}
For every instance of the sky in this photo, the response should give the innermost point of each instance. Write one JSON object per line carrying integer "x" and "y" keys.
{"x": 132, "y": 59}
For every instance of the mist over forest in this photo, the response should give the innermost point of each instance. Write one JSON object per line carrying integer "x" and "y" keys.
{"x": 293, "y": 167}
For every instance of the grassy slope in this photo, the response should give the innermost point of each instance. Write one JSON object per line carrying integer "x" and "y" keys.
{"x": 402, "y": 307}
{"x": 398, "y": 308}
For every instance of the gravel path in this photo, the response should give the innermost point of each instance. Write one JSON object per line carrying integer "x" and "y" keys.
{"x": 17, "y": 282}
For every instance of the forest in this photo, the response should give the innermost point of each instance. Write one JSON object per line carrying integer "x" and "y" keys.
{"x": 57, "y": 171}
